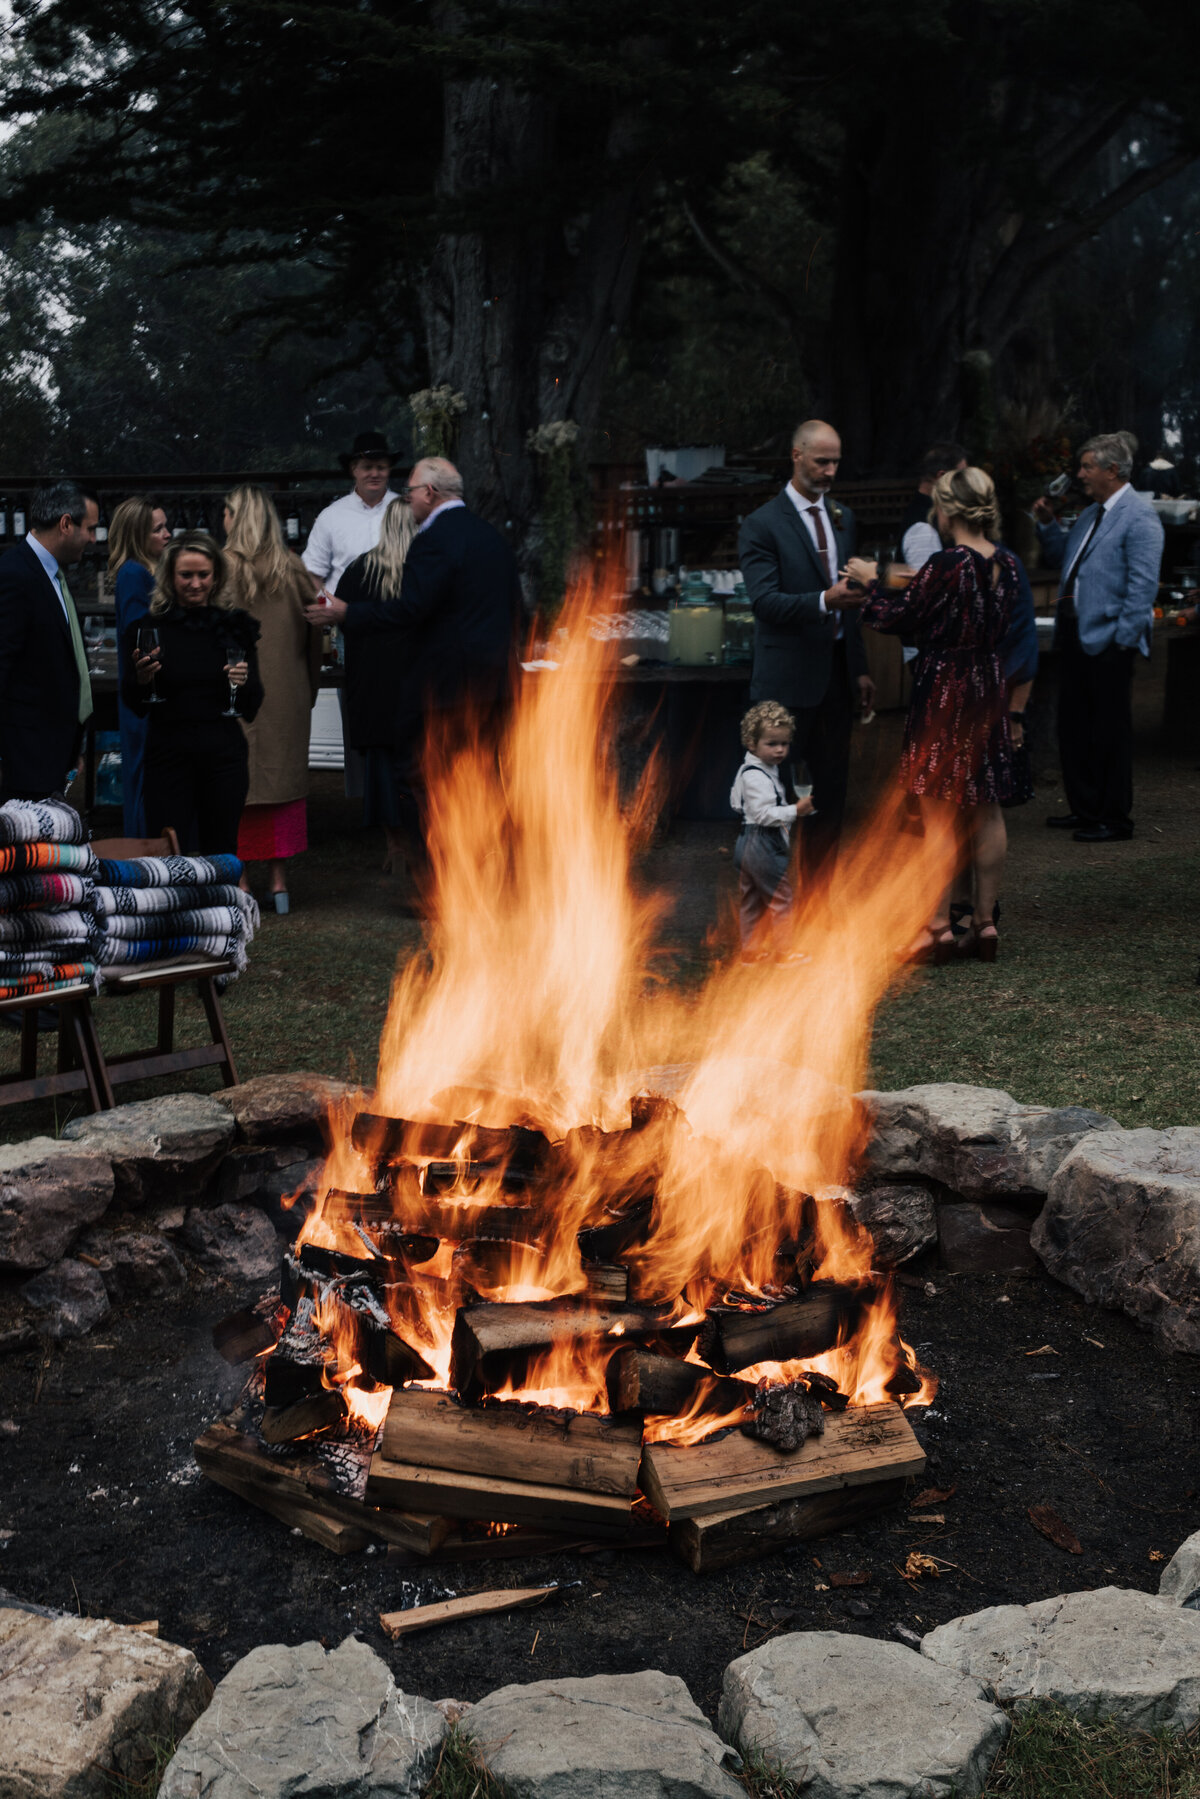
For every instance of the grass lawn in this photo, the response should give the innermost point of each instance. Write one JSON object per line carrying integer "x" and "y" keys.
{"x": 1093, "y": 1000}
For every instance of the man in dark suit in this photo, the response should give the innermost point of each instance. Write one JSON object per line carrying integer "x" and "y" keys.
{"x": 808, "y": 648}
{"x": 459, "y": 606}
{"x": 45, "y": 693}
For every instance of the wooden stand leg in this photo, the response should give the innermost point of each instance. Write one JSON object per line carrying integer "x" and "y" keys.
{"x": 99, "y": 1084}
{"x": 216, "y": 1024}
{"x": 74, "y": 1024}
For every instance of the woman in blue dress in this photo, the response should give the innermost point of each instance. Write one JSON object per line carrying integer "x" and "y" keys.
{"x": 137, "y": 537}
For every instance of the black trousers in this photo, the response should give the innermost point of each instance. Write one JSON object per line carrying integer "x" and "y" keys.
{"x": 1095, "y": 729}
{"x": 823, "y": 741}
{"x": 197, "y": 779}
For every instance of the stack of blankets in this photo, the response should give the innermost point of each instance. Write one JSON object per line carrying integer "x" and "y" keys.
{"x": 48, "y": 934}
{"x": 160, "y": 906}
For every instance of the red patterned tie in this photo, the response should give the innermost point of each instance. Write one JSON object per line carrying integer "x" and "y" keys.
{"x": 817, "y": 517}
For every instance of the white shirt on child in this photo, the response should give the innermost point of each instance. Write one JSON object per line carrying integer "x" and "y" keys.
{"x": 758, "y": 794}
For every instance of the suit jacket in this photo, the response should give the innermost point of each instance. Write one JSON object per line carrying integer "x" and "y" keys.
{"x": 459, "y": 604}
{"x": 1114, "y": 601}
{"x": 793, "y": 638}
{"x": 40, "y": 733}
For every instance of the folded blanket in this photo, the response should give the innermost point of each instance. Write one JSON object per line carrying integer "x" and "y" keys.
{"x": 64, "y": 974}
{"x": 41, "y": 821}
{"x": 212, "y": 921}
{"x": 170, "y": 871}
{"x": 15, "y": 967}
{"x": 117, "y": 951}
{"x": 133, "y": 901}
{"x": 42, "y": 927}
{"x": 45, "y": 892}
{"x": 28, "y": 858}
{"x": 62, "y": 949}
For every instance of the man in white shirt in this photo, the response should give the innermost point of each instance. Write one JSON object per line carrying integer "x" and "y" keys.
{"x": 350, "y": 526}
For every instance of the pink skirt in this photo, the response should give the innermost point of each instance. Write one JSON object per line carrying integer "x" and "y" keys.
{"x": 273, "y": 833}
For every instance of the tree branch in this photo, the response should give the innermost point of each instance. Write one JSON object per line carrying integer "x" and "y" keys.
{"x": 744, "y": 279}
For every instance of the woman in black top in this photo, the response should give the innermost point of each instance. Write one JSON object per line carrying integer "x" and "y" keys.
{"x": 197, "y": 765}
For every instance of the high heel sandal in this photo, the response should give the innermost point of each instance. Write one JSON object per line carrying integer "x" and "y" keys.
{"x": 987, "y": 948}
{"x": 932, "y": 949}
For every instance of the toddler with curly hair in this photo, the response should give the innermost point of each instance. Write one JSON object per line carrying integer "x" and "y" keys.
{"x": 764, "y": 842}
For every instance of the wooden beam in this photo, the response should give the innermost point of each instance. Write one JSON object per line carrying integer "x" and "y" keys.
{"x": 639, "y": 1381}
{"x": 806, "y": 1326}
{"x": 493, "y": 1344}
{"x": 284, "y": 1424}
{"x": 514, "y": 1442}
{"x": 471, "y": 1605}
{"x": 861, "y": 1445}
{"x": 461, "y": 1495}
{"x": 723, "y": 1539}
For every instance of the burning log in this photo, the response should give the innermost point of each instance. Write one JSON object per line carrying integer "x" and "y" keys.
{"x": 243, "y": 1335}
{"x": 385, "y": 1139}
{"x": 304, "y": 1419}
{"x": 662, "y": 1386}
{"x": 625, "y": 1229}
{"x": 496, "y": 1262}
{"x": 554, "y": 1448}
{"x": 493, "y": 1344}
{"x": 785, "y": 1415}
{"x": 607, "y": 1282}
{"x": 821, "y": 1317}
{"x": 301, "y": 1362}
{"x": 724, "y": 1539}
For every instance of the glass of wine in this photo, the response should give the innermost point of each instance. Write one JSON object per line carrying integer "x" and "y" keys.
{"x": 233, "y": 653}
{"x": 148, "y": 641}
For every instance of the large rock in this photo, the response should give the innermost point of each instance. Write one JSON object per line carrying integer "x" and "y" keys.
{"x": 306, "y": 1721}
{"x": 49, "y": 1192}
{"x": 853, "y": 1718}
{"x": 85, "y": 1704}
{"x": 978, "y": 1140}
{"x": 981, "y": 1236}
{"x": 135, "y": 1264}
{"x": 1112, "y": 1654}
{"x": 901, "y": 1220}
{"x": 282, "y": 1179}
{"x": 1181, "y": 1576}
{"x": 71, "y": 1299}
{"x": 160, "y": 1148}
{"x": 1122, "y": 1227}
{"x": 613, "y": 1736}
{"x": 234, "y": 1242}
{"x": 284, "y": 1108}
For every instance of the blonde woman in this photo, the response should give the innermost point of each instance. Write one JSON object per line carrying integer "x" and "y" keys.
{"x": 383, "y": 703}
{"x": 273, "y": 586}
{"x": 137, "y": 536}
{"x": 957, "y": 740}
{"x": 194, "y": 676}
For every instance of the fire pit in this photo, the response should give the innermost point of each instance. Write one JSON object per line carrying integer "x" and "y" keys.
{"x": 541, "y": 1295}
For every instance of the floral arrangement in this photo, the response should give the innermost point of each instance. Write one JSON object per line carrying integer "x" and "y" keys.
{"x": 435, "y": 412}
{"x": 1023, "y": 470}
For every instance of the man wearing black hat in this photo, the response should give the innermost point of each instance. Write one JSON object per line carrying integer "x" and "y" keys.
{"x": 351, "y": 526}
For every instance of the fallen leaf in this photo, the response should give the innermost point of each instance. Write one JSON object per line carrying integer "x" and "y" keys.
{"x": 820, "y": 1586}
{"x": 1046, "y": 1349}
{"x": 933, "y": 1495}
{"x": 148, "y": 1627}
{"x": 859, "y": 1579}
{"x": 917, "y": 1564}
{"x": 1043, "y": 1518}
{"x": 1095, "y": 1342}
{"x": 1156, "y": 1555}
{"x": 928, "y": 1518}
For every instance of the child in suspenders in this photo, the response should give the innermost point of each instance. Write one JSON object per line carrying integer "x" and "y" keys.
{"x": 764, "y": 842}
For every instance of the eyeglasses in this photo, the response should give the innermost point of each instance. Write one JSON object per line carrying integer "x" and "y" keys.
{"x": 406, "y": 493}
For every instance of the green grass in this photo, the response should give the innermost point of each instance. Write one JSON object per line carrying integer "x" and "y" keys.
{"x": 156, "y": 1756}
{"x": 461, "y": 1772}
{"x": 1051, "y": 1755}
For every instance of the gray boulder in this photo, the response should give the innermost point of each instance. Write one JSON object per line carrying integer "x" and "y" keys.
{"x": 850, "y": 1717}
{"x": 980, "y": 1236}
{"x": 135, "y": 1264}
{"x": 1181, "y": 1576}
{"x": 49, "y": 1193}
{"x": 236, "y": 1243}
{"x": 70, "y": 1298}
{"x": 613, "y": 1736}
{"x": 1122, "y": 1227}
{"x": 900, "y": 1218}
{"x": 1113, "y": 1654}
{"x": 978, "y": 1140}
{"x": 326, "y": 1724}
{"x": 85, "y": 1703}
{"x": 160, "y": 1149}
{"x": 284, "y": 1108}
{"x": 282, "y": 1179}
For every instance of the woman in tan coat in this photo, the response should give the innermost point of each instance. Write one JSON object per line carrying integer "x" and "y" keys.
{"x": 273, "y": 585}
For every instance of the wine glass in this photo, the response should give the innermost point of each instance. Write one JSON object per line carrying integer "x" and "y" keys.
{"x": 233, "y": 653}
{"x": 93, "y": 643}
{"x": 148, "y": 640}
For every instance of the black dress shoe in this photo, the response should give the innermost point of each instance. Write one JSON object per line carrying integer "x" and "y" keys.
{"x": 1067, "y": 821}
{"x": 1104, "y": 834}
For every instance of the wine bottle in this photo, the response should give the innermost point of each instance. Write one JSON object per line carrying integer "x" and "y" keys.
{"x": 18, "y": 518}
{"x": 102, "y": 523}
{"x": 292, "y": 526}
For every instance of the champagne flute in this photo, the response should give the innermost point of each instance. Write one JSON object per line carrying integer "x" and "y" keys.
{"x": 233, "y": 653}
{"x": 148, "y": 641}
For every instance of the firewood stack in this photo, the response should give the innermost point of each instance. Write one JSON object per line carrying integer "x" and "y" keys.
{"x": 459, "y": 1215}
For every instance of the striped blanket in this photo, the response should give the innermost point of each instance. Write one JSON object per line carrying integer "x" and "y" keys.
{"x": 117, "y": 951}
{"x": 34, "y": 858}
{"x": 212, "y": 921}
{"x": 170, "y": 871}
{"x": 43, "y": 891}
{"x": 61, "y": 974}
{"x": 129, "y": 902}
{"x": 24, "y": 928}
{"x": 60, "y": 949}
{"x": 40, "y": 821}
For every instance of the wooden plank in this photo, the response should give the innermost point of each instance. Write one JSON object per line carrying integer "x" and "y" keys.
{"x": 860, "y": 1445}
{"x": 243, "y": 1335}
{"x": 496, "y": 1343}
{"x": 312, "y": 1521}
{"x": 460, "y": 1545}
{"x": 471, "y": 1605}
{"x": 663, "y": 1386}
{"x": 514, "y": 1442}
{"x": 452, "y": 1494}
{"x": 284, "y": 1424}
{"x": 806, "y": 1326}
{"x": 723, "y": 1539}
{"x": 237, "y": 1461}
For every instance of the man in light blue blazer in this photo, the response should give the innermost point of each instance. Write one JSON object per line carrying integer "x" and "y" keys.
{"x": 1110, "y": 564}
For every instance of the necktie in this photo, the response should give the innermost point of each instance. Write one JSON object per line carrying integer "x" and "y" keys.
{"x": 818, "y": 519}
{"x": 1067, "y": 598}
{"x": 85, "y": 680}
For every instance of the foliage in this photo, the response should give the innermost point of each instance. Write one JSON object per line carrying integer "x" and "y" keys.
{"x": 562, "y": 502}
{"x": 762, "y": 1779}
{"x": 1053, "y": 1755}
{"x": 435, "y": 411}
{"x": 461, "y": 1772}
{"x": 156, "y": 1758}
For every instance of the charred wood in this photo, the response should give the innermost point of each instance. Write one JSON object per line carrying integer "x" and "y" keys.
{"x": 299, "y": 1366}
{"x": 618, "y": 1231}
{"x": 389, "y": 1138}
{"x": 243, "y": 1335}
{"x": 785, "y": 1415}
{"x": 810, "y": 1324}
{"x": 509, "y": 1441}
{"x": 284, "y": 1424}
{"x": 496, "y": 1343}
{"x": 639, "y": 1381}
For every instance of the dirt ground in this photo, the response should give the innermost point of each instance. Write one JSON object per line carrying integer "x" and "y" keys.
{"x": 102, "y": 1508}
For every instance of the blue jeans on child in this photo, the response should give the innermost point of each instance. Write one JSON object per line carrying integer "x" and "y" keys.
{"x": 761, "y": 859}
